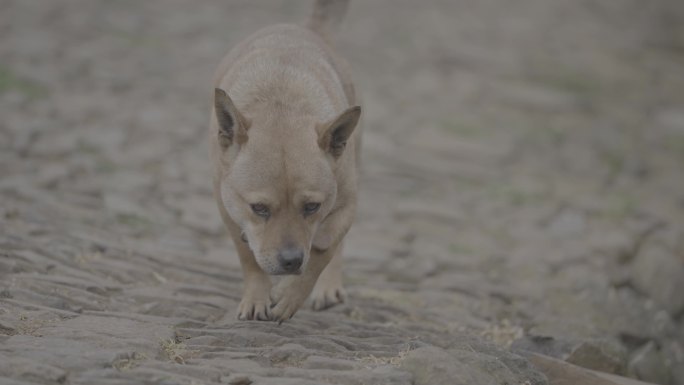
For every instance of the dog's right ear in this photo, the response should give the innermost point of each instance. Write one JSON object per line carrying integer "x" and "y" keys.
{"x": 232, "y": 125}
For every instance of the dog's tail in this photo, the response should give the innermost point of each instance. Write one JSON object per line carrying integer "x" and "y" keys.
{"x": 327, "y": 16}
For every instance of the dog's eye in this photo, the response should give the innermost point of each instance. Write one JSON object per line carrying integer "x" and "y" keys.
{"x": 261, "y": 210}
{"x": 311, "y": 208}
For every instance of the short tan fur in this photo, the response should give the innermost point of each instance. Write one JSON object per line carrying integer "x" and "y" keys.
{"x": 285, "y": 142}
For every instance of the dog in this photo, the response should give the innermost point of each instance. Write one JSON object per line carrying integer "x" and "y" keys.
{"x": 285, "y": 153}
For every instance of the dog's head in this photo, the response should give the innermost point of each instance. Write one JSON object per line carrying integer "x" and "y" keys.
{"x": 280, "y": 183}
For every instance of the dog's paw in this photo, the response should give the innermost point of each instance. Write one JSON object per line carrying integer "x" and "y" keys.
{"x": 254, "y": 310}
{"x": 325, "y": 296}
{"x": 287, "y": 297}
{"x": 255, "y": 304}
{"x": 250, "y": 309}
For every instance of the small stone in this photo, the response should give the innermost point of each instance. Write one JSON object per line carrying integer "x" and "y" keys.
{"x": 7, "y": 328}
{"x": 672, "y": 121}
{"x": 648, "y": 364}
{"x": 567, "y": 223}
{"x": 318, "y": 362}
{"x": 432, "y": 365}
{"x": 678, "y": 374}
{"x": 413, "y": 269}
{"x": 465, "y": 366}
{"x": 240, "y": 380}
{"x": 289, "y": 355}
{"x": 561, "y": 372}
{"x": 602, "y": 355}
{"x": 660, "y": 274}
{"x": 543, "y": 344}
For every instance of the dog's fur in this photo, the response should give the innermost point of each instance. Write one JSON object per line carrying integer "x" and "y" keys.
{"x": 283, "y": 139}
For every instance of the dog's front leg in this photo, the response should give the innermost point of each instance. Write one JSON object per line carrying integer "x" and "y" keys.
{"x": 255, "y": 303}
{"x": 291, "y": 292}
{"x": 329, "y": 291}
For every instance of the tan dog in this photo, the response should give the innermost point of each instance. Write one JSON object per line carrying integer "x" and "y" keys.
{"x": 285, "y": 155}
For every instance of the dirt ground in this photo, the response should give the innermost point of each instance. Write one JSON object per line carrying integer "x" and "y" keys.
{"x": 522, "y": 191}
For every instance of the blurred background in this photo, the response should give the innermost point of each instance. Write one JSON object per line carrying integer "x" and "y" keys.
{"x": 522, "y": 184}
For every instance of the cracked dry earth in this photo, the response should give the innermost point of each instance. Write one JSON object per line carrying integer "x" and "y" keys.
{"x": 523, "y": 191}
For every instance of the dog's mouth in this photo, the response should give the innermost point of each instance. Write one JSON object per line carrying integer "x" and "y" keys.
{"x": 271, "y": 266}
{"x": 298, "y": 272}
{"x": 274, "y": 268}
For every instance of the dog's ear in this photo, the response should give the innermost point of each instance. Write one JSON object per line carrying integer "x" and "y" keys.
{"x": 232, "y": 125}
{"x": 333, "y": 136}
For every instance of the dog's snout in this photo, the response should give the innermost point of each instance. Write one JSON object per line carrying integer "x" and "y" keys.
{"x": 291, "y": 259}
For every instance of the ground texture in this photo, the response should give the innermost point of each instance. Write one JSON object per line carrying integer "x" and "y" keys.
{"x": 523, "y": 191}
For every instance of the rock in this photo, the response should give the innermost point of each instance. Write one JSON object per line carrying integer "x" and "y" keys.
{"x": 659, "y": 273}
{"x": 597, "y": 354}
{"x": 385, "y": 374}
{"x": 559, "y": 372}
{"x": 30, "y": 370}
{"x": 239, "y": 380}
{"x": 128, "y": 361}
{"x": 7, "y": 328}
{"x": 672, "y": 121}
{"x": 432, "y": 365}
{"x": 411, "y": 270}
{"x": 678, "y": 375}
{"x": 390, "y": 375}
{"x": 602, "y": 355}
{"x": 648, "y": 364}
{"x": 198, "y": 212}
{"x": 318, "y": 362}
{"x": 546, "y": 345}
{"x": 563, "y": 373}
{"x": 289, "y": 355}
{"x": 567, "y": 223}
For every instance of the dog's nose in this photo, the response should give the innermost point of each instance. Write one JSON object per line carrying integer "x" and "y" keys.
{"x": 291, "y": 259}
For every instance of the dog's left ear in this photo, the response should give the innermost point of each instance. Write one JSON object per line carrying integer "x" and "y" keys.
{"x": 333, "y": 136}
{"x": 232, "y": 125}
